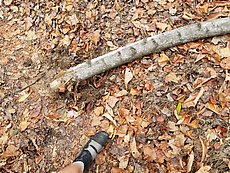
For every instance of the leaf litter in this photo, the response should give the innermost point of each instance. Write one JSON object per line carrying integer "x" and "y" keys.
{"x": 168, "y": 112}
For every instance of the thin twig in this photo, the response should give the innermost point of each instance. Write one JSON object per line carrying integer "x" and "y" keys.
{"x": 29, "y": 85}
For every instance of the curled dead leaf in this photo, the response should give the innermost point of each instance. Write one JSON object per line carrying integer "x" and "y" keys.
{"x": 128, "y": 76}
{"x": 190, "y": 161}
{"x": 24, "y": 97}
{"x": 162, "y": 60}
{"x": 133, "y": 148}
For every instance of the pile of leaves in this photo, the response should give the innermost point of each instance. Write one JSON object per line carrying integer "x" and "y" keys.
{"x": 168, "y": 112}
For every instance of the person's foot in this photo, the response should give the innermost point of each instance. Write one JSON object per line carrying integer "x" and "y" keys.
{"x": 92, "y": 148}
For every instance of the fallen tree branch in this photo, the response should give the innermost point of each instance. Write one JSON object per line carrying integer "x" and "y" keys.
{"x": 144, "y": 47}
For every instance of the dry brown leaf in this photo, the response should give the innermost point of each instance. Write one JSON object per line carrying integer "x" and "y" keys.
{"x": 213, "y": 108}
{"x": 193, "y": 99}
{"x": 23, "y": 125}
{"x": 111, "y": 45}
{"x": 109, "y": 117}
{"x": 124, "y": 112}
{"x": 225, "y": 63}
{"x": 117, "y": 170}
{"x": 112, "y": 101}
{"x": 204, "y": 169}
{"x": 172, "y": 126}
{"x": 211, "y": 135}
{"x": 7, "y": 2}
{"x": 66, "y": 40}
{"x": 150, "y": 152}
{"x": 133, "y": 148}
{"x": 31, "y": 35}
{"x": 200, "y": 81}
{"x": 130, "y": 119}
{"x": 134, "y": 92}
{"x": 123, "y": 161}
{"x": 161, "y": 26}
{"x": 204, "y": 150}
{"x": 3, "y": 139}
{"x": 24, "y": 97}
{"x": 171, "y": 77}
{"x": 194, "y": 124}
{"x": 69, "y": 7}
{"x": 148, "y": 86}
{"x": 96, "y": 120}
{"x": 128, "y": 76}
{"x": 188, "y": 16}
{"x": 225, "y": 52}
{"x": 137, "y": 24}
{"x": 162, "y": 60}
{"x": 121, "y": 93}
{"x": 11, "y": 150}
{"x": 96, "y": 37}
{"x": 98, "y": 110}
{"x": 203, "y": 8}
{"x": 190, "y": 161}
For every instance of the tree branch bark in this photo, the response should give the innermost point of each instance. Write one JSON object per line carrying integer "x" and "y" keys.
{"x": 144, "y": 47}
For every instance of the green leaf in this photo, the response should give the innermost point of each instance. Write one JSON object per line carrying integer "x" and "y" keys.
{"x": 178, "y": 108}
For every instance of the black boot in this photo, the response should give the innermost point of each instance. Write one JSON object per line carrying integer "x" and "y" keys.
{"x": 92, "y": 148}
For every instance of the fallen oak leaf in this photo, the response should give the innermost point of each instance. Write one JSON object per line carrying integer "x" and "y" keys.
{"x": 134, "y": 92}
{"x": 96, "y": 120}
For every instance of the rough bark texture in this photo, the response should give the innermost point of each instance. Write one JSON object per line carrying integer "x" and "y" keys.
{"x": 144, "y": 47}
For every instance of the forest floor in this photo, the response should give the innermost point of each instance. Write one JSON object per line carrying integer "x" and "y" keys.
{"x": 167, "y": 112}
